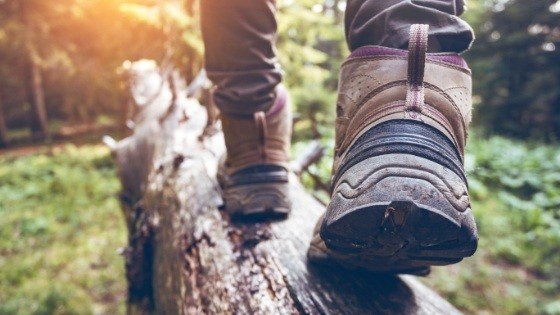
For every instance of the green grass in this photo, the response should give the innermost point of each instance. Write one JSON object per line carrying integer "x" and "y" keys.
{"x": 60, "y": 228}
{"x": 500, "y": 278}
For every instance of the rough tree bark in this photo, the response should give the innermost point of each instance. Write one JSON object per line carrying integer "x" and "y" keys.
{"x": 186, "y": 257}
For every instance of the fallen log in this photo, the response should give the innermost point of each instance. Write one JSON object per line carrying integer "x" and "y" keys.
{"x": 186, "y": 257}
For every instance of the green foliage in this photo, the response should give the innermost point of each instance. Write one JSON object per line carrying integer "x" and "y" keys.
{"x": 311, "y": 47}
{"x": 59, "y": 233}
{"x": 516, "y": 200}
{"x": 525, "y": 179}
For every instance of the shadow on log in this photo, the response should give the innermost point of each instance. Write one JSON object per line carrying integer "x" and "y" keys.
{"x": 186, "y": 257}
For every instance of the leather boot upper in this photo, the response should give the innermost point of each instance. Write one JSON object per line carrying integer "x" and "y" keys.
{"x": 259, "y": 139}
{"x": 378, "y": 84}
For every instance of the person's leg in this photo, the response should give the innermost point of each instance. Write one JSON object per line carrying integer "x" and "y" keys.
{"x": 240, "y": 56}
{"x": 399, "y": 201}
{"x": 239, "y": 38}
{"x": 387, "y": 23}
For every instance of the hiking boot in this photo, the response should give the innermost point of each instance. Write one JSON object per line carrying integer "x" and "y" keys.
{"x": 254, "y": 175}
{"x": 399, "y": 198}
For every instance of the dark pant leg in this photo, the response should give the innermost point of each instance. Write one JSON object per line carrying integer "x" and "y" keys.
{"x": 387, "y": 23}
{"x": 239, "y": 38}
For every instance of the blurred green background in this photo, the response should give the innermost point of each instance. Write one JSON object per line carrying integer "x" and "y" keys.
{"x": 61, "y": 88}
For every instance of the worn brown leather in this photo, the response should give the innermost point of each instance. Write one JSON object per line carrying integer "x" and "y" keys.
{"x": 261, "y": 138}
{"x": 374, "y": 89}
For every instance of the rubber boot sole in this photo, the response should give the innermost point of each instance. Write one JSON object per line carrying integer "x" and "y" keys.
{"x": 258, "y": 201}
{"x": 405, "y": 213}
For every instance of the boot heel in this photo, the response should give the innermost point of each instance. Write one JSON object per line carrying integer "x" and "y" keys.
{"x": 405, "y": 213}
{"x": 258, "y": 200}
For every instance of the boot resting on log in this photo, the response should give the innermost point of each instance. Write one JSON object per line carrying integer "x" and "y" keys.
{"x": 186, "y": 257}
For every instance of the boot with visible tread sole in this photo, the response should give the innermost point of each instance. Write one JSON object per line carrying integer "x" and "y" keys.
{"x": 263, "y": 196}
{"x": 399, "y": 201}
{"x": 254, "y": 174}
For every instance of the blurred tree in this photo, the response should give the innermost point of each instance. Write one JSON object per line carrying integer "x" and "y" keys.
{"x": 311, "y": 47}
{"x": 25, "y": 26}
{"x": 516, "y": 66}
{"x": 61, "y": 56}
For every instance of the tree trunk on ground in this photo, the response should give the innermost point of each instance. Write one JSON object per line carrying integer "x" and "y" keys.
{"x": 185, "y": 256}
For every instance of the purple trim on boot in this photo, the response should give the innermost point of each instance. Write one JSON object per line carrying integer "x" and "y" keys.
{"x": 371, "y": 51}
{"x": 281, "y": 98}
{"x": 375, "y": 51}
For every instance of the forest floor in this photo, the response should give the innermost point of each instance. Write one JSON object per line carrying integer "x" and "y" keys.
{"x": 61, "y": 230}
